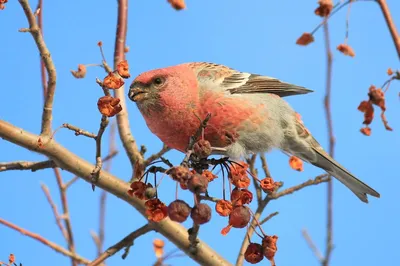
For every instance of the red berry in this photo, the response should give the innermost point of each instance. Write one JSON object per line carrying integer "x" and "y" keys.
{"x": 201, "y": 213}
{"x": 178, "y": 211}
{"x": 239, "y": 217}
{"x": 197, "y": 183}
{"x": 254, "y": 253}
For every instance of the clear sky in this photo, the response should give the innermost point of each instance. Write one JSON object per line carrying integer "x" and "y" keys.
{"x": 254, "y": 36}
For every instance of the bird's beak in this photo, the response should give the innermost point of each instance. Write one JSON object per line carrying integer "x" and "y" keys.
{"x": 137, "y": 93}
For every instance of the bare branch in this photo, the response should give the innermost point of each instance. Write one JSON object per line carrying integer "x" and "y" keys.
{"x": 99, "y": 162}
{"x": 53, "y": 206}
{"x": 67, "y": 160}
{"x": 124, "y": 130}
{"x": 79, "y": 131}
{"x": 75, "y": 178}
{"x": 34, "y": 29}
{"x": 390, "y": 23}
{"x": 127, "y": 241}
{"x": 265, "y": 165}
{"x": 328, "y": 112}
{"x": 46, "y": 242}
{"x": 266, "y": 219}
{"x": 65, "y": 208}
{"x": 24, "y": 165}
{"x": 312, "y": 246}
{"x": 311, "y": 182}
{"x": 156, "y": 156}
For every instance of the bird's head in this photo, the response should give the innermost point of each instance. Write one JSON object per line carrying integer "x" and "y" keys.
{"x": 146, "y": 88}
{"x": 160, "y": 88}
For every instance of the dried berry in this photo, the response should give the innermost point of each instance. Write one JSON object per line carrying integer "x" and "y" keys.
{"x": 138, "y": 189}
{"x": 80, "y": 73}
{"x": 202, "y": 148}
{"x": 201, "y": 213}
{"x": 240, "y": 197}
{"x": 177, "y": 4}
{"x": 197, "y": 183}
{"x": 269, "y": 246}
{"x": 377, "y": 97}
{"x": 178, "y": 211}
{"x": 296, "y": 163}
{"x": 223, "y": 207}
{"x": 366, "y": 131}
{"x": 158, "y": 246}
{"x": 109, "y": 106}
{"x": 112, "y": 81}
{"x": 209, "y": 175}
{"x": 346, "y": 49}
{"x": 368, "y": 110}
{"x": 238, "y": 175}
{"x": 389, "y": 71}
{"x": 179, "y": 173}
{"x": 324, "y": 9}
{"x": 123, "y": 69}
{"x": 239, "y": 217}
{"x": 268, "y": 185}
{"x": 254, "y": 253}
{"x": 156, "y": 210}
{"x": 305, "y": 39}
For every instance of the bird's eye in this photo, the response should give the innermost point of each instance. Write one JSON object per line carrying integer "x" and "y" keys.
{"x": 158, "y": 81}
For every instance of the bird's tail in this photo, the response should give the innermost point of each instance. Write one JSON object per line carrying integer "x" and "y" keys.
{"x": 326, "y": 162}
{"x": 303, "y": 145}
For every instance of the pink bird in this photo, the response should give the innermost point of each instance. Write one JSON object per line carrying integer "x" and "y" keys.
{"x": 248, "y": 115}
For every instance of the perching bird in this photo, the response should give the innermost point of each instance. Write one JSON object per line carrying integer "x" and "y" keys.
{"x": 248, "y": 114}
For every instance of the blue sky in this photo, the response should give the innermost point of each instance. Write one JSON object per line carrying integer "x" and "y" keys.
{"x": 253, "y": 36}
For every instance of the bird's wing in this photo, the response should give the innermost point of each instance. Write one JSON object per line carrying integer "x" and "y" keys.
{"x": 240, "y": 82}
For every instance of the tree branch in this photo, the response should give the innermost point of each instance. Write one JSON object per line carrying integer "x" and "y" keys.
{"x": 24, "y": 165}
{"x": 65, "y": 208}
{"x": 127, "y": 241}
{"x": 156, "y": 155}
{"x": 390, "y": 23}
{"x": 53, "y": 206}
{"x": 328, "y": 112}
{"x": 124, "y": 130}
{"x": 76, "y": 165}
{"x": 45, "y": 241}
{"x": 35, "y": 31}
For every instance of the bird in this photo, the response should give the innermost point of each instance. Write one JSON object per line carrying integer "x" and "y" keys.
{"x": 248, "y": 115}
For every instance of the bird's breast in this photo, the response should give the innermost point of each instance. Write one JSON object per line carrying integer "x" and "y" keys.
{"x": 230, "y": 118}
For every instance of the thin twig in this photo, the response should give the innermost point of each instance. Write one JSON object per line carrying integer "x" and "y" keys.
{"x": 156, "y": 156}
{"x": 265, "y": 165}
{"x": 266, "y": 219}
{"x": 99, "y": 162}
{"x": 127, "y": 241}
{"x": 251, "y": 162}
{"x": 311, "y": 182}
{"x": 39, "y": 12}
{"x": 390, "y": 23}
{"x": 312, "y": 246}
{"x": 79, "y": 131}
{"x": 53, "y": 206}
{"x": 125, "y": 133}
{"x": 328, "y": 112}
{"x": 103, "y": 195}
{"x": 65, "y": 208}
{"x": 35, "y": 31}
{"x": 24, "y": 165}
{"x": 46, "y": 242}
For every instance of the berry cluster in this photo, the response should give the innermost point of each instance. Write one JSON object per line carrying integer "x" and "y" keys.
{"x": 235, "y": 208}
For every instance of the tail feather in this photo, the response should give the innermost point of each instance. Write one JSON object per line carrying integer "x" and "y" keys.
{"x": 358, "y": 187}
